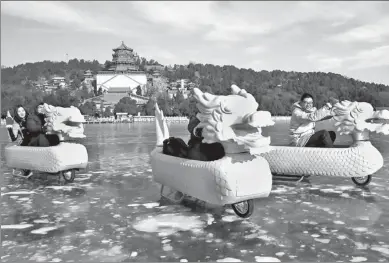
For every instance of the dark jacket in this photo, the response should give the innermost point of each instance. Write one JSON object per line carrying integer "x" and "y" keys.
{"x": 197, "y": 150}
{"x": 34, "y": 124}
{"x": 204, "y": 151}
{"x": 35, "y": 132}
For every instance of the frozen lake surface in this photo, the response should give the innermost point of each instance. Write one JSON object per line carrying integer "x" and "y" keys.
{"x": 112, "y": 212}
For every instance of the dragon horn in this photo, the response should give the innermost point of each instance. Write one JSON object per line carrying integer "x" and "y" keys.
{"x": 381, "y": 114}
{"x": 206, "y": 99}
{"x": 235, "y": 89}
{"x": 241, "y": 92}
{"x": 162, "y": 131}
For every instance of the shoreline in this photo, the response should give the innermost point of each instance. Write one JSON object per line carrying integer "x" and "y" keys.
{"x": 151, "y": 119}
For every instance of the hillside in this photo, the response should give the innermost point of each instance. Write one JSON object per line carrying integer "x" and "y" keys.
{"x": 275, "y": 91}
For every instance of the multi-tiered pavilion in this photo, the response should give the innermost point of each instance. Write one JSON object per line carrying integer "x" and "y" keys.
{"x": 123, "y": 72}
{"x": 122, "y": 78}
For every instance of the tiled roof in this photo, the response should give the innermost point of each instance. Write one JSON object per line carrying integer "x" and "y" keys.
{"x": 139, "y": 96}
{"x": 118, "y": 90}
{"x": 113, "y": 98}
{"x": 122, "y": 46}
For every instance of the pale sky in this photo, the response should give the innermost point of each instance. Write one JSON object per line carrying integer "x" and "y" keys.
{"x": 349, "y": 38}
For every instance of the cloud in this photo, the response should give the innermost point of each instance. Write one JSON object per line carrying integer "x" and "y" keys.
{"x": 375, "y": 32}
{"x": 324, "y": 62}
{"x": 194, "y": 16}
{"x": 159, "y": 54}
{"x": 254, "y": 50}
{"x": 300, "y": 36}
{"x": 370, "y": 58}
{"x": 257, "y": 64}
{"x": 52, "y": 13}
{"x": 183, "y": 15}
{"x": 73, "y": 16}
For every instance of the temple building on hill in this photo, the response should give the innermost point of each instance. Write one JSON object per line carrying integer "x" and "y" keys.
{"x": 122, "y": 78}
{"x": 88, "y": 79}
{"x": 123, "y": 72}
{"x": 110, "y": 99}
{"x": 88, "y": 75}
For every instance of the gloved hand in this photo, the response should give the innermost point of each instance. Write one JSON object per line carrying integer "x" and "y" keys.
{"x": 333, "y": 101}
{"x": 49, "y": 127}
{"x": 328, "y": 106}
{"x": 9, "y": 121}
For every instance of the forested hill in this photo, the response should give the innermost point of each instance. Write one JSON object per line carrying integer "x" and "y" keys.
{"x": 73, "y": 69}
{"x": 275, "y": 91}
{"x": 47, "y": 69}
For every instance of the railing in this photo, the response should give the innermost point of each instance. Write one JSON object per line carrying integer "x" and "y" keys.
{"x": 106, "y": 120}
{"x": 152, "y": 118}
{"x": 281, "y": 118}
{"x": 134, "y": 119}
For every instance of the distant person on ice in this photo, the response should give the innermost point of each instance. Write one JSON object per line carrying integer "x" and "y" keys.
{"x": 302, "y": 124}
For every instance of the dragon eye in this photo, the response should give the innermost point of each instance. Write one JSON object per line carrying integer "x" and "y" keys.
{"x": 225, "y": 109}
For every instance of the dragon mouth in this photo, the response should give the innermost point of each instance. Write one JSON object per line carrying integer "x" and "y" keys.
{"x": 251, "y": 138}
{"x": 378, "y": 121}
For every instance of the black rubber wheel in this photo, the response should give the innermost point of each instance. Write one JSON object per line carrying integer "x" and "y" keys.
{"x": 362, "y": 181}
{"x": 69, "y": 175}
{"x": 244, "y": 209}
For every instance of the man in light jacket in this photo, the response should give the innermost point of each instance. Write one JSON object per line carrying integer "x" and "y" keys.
{"x": 302, "y": 124}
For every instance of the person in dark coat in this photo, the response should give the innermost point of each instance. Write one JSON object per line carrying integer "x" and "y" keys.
{"x": 36, "y": 130}
{"x": 197, "y": 150}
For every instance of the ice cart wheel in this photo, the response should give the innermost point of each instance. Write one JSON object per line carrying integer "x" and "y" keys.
{"x": 362, "y": 181}
{"x": 174, "y": 196}
{"x": 244, "y": 209}
{"x": 69, "y": 175}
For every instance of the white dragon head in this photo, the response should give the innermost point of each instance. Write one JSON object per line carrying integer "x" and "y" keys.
{"x": 233, "y": 120}
{"x": 355, "y": 118}
{"x": 67, "y": 123}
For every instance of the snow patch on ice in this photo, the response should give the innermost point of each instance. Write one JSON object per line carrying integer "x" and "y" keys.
{"x": 169, "y": 224}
